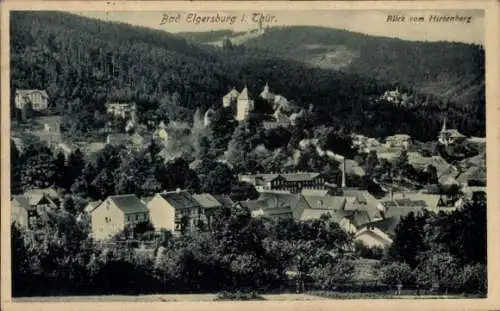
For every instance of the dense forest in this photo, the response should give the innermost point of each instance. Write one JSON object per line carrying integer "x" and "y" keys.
{"x": 82, "y": 63}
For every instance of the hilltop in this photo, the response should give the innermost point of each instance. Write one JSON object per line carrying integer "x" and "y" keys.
{"x": 451, "y": 71}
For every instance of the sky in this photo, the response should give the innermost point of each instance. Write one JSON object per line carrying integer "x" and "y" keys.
{"x": 367, "y": 22}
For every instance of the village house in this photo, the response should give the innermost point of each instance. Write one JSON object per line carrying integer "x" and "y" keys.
{"x": 420, "y": 162}
{"x": 48, "y": 130}
{"x": 371, "y": 236}
{"x": 473, "y": 176}
{"x": 36, "y": 197}
{"x": 393, "y": 96}
{"x": 398, "y": 141}
{"x": 122, "y": 110}
{"x": 91, "y": 206}
{"x": 273, "y": 204}
{"x": 177, "y": 211}
{"x": 30, "y": 207}
{"x": 478, "y": 160}
{"x": 118, "y": 139}
{"x": 363, "y": 143}
{"x": 292, "y": 182}
{"x": 137, "y": 140}
{"x": 36, "y": 100}
{"x": 279, "y": 205}
{"x": 22, "y": 213}
{"x": 210, "y": 205}
{"x": 115, "y": 213}
{"x": 160, "y": 134}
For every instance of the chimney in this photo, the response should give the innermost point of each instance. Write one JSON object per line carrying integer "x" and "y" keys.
{"x": 343, "y": 174}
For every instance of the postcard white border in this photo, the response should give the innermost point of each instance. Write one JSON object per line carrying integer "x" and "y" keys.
{"x": 491, "y": 45}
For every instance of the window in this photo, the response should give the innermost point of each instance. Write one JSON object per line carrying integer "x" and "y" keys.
{"x": 137, "y": 217}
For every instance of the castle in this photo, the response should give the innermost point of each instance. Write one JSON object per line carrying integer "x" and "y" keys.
{"x": 243, "y": 104}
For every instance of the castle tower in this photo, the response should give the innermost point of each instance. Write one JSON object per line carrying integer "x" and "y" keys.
{"x": 244, "y": 105}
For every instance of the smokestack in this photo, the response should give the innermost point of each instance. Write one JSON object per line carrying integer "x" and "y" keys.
{"x": 343, "y": 174}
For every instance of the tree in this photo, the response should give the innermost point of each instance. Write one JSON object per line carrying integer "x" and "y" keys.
{"x": 400, "y": 164}
{"x": 222, "y": 129}
{"x": 60, "y": 171}
{"x": 21, "y": 273}
{"x": 397, "y": 273}
{"x": 136, "y": 175}
{"x": 463, "y": 233}
{"x": 75, "y": 165}
{"x": 241, "y": 191}
{"x": 176, "y": 174}
{"x": 38, "y": 169}
{"x": 433, "y": 174}
{"x": 104, "y": 183}
{"x": 371, "y": 163}
{"x": 15, "y": 168}
{"x": 409, "y": 239}
{"x": 68, "y": 204}
{"x": 241, "y": 147}
{"x": 333, "y": 274}
{"x": 218, "y": 180}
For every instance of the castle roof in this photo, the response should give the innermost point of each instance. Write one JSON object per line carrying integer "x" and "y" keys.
{"x": 265, "y": 94}
{"x": 244, "y": 94}
{"x": 232, "y": 94}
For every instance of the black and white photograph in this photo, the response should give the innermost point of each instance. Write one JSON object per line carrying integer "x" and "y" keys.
{"x": 246, "y": 155}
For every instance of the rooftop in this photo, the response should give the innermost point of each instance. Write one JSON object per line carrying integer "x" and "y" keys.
{"x": 207, "y": 200}
{"x": 129, "y": 203}
{"x": 23, "y": 201}
{"x": 180, "y": 199}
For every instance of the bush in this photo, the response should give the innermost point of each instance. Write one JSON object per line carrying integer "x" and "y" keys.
{"x": 396, "y": 273}
{"x": 332, "y": 275}
{"x": 238, "y": 295}
{"x": 474, "y": 279}
{"x": 364, "y": 251}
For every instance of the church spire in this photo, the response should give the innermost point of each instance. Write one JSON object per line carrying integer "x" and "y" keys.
{"x": 443, "y": 129}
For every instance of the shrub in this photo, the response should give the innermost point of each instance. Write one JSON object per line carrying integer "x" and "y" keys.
{"x": 396, "y": 273}
{"x": 474, "y": 279}
{"x": 238, "y": 295}
{"x": 331, "y": 275}
{"x": 368, "y": 252}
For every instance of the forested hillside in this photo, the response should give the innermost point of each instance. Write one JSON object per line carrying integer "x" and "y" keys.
{"x": 83, "y": 62}
{"x": 451, "y": 71}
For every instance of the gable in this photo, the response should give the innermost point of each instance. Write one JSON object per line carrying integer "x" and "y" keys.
{"x": 105, "y": 206}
